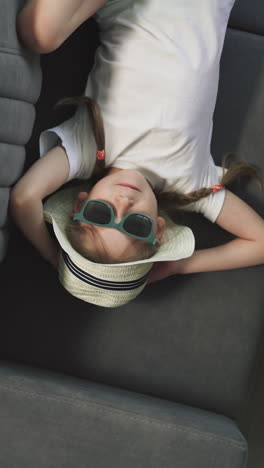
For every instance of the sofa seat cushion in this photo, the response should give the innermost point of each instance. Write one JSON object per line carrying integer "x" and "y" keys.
{"x": 51, "y": 420}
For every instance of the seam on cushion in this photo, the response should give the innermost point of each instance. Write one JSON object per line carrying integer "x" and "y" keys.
{"x": 18, "y": 100}
{"x": 10, "y": 51}
{"x": 133, "y": 416}
{"x": 5, "y": 142}
{"x": 23, "y": 144}
{"x": 8, "y": 143}
{"x": 18, "y": 157}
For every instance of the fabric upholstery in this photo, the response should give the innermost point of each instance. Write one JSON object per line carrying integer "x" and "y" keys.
{"x": 240, "y": 104}
{"x": 20, "y": 82}
{"x": 214, "y": 326}
{"x": 248, "y": 16}
{"x": 172, "y": 372}
{"x": 61, "y": 421}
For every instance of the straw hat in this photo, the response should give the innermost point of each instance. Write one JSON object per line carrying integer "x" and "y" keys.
{"x": 108, "y": 285}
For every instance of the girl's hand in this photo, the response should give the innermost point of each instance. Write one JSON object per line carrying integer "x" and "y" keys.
{"x": 161, "y": 270}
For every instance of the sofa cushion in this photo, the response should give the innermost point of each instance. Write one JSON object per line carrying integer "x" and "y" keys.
{"x": 238, "y": 118}
{"x": 50, "y": 420}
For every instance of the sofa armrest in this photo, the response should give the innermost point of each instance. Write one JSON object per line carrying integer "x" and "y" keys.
{"x": 20, "y": 84}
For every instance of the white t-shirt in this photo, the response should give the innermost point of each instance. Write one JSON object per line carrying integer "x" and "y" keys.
{"x": 155, "y": 78}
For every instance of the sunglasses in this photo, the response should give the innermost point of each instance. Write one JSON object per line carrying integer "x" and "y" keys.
{"x": 99, "y": 213}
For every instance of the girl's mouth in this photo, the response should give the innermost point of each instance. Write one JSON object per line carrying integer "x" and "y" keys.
{"x": 130, "y": 186}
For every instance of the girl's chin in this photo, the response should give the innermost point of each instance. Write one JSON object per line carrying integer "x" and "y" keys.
{"x": 137, "y": 176}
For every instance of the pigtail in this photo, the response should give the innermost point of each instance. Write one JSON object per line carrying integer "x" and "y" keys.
{"x": 236, "y": 170}
{"x": 96, "y": 120}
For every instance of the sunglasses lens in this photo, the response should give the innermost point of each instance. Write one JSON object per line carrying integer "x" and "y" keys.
{"x": 138, "y": 225}
{"x": 97, "y": 212}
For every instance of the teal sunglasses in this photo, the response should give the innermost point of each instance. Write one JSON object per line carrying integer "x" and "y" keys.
{"x": 99, "y": 213}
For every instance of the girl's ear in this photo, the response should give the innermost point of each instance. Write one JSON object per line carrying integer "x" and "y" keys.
{"x": 78, "y": 202}
{"x": 161, "y": 226}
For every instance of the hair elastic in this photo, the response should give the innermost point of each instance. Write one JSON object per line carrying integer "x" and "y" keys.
{"x": 217, "y": 187}
{"x": 100, "y": 154}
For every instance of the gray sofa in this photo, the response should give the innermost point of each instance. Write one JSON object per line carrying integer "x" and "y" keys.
{"x": 20, "y": 83}
{"x": 165, "y": 381}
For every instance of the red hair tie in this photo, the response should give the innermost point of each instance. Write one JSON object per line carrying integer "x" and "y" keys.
{"x": 217, "y": 187}
{"x": 100, "y": 154}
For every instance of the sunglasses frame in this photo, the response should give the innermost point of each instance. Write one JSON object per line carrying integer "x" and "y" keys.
{"x": 112, "y": 224}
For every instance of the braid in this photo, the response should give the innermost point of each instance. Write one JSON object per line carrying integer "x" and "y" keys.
{"x": 168, "y": 200}
{"x": 97, "y": 125}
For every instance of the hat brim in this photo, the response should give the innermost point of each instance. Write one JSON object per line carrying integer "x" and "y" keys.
{"x": 108, "y": 285}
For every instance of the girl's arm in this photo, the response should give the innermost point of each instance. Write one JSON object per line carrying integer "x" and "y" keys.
{"x": 247, "y": 250}
{"x": 43, "y": 178}
{"x": 43, "y": 25}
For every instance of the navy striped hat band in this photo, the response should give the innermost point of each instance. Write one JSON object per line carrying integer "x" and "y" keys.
{"x": 100, "y": 283}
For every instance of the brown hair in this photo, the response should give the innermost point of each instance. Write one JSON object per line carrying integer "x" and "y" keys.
{"x": 166, "y": 200}
{"x": 236, "y": 170}
{"x": 97, "y": 123}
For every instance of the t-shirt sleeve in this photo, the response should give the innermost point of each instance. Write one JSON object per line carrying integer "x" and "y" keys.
{"x": 76, "y": 137}
{"x": 211, "y": 205}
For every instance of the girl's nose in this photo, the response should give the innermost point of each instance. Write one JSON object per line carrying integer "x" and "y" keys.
{"x": 122, "y": 204}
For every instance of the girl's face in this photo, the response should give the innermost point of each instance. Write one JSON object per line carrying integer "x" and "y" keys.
{"x": 124, "y": 200}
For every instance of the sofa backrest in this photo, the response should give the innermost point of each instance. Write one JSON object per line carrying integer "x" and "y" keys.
{"x": 239, "y": 111}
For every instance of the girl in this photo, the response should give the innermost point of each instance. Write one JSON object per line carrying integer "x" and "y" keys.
{"x": 143, "y": 128}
